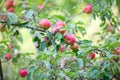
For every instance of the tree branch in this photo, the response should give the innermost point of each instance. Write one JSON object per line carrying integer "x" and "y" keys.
{"x": 38, "y": 29}
{"x": 1, "y": 73}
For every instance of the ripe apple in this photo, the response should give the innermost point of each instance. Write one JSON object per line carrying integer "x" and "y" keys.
{"x": 10, "y": 46}
{"x": 118, "y": 50}
{"x": 46, "y": 39}
{"x": 87, "y": 9}
{"x": 68, "y": 48}
{"x": 8, "y": 56}
{"x": 45, "y": 23}
{"x": 54, "y": 30}
{"x": 70, "y": 39}
{"x": 72, "y": 59}
{"x": 9, "y": 4}
{"x": 60, "y": 23}
{"x": 61, "y": 48}
{"x": 75, "y": 46}
{"x": 40, "y": 6}
{"x": 1, "y": 26}
{"x": 11, "y": 10}
{"x": 62, "y": 31}
{"x": 109, "y": 28}
{"x": 92, "y": 56}
{"x": 115, "y": 60}
{"x": 23, "y": 72}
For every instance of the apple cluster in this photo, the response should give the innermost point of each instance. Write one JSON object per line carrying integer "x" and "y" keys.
{"x": 9, "y": 5}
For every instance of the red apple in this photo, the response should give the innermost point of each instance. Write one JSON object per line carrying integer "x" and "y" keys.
{"x": 45, "y": 23}
{"x": 115, "y": 60}
{"x": 54, "y": 30}
{"x": 72, "y": 59}
{"x": 11, "y": 10}
{"x": 23, "y": 72}
{"x": 8, "y": 56}
{"x": 118, "y": 50}
{"x": 1, "y": 26}
{"x": 75, "y": 46}
{"x": 9, "y": 4}
{"x": 92, "y": 56}
{"x": 115, "y": 53}
{"x": 88, "y": 9}
{"x": 62, "y": 31}
{"x": 61, "y": 48}
{"x": 10, "y": 46}
{"x": 70, "y": 39}
{"x": 68, "y": 49}
{"x": 60, "y": 23}
{"x": 109, "y": 28}
{"x": 40, "y": 6}
{"x": 46, "y": 39}
{"x": 58, "y": 28}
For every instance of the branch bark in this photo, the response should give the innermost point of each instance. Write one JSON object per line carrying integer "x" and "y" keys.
{"x": 1, "y": 73}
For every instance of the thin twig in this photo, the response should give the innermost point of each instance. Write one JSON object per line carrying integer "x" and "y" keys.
{"x": 34, "y": 21}
{"x": 43, "y": 7}
{"x": 73, "y": 17}
{"x": 2, "y": 21}
{"x": 118, "y": 29}
{"x": 38, "y": 29}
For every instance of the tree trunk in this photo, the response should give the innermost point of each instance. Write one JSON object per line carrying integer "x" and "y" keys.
{"x": 1, "y": 74}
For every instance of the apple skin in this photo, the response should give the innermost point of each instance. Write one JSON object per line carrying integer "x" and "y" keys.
{"x": 118, "y": 50}
{"x": 23, "y": 72}
{"x": 62, "y": 31}
{"x": 1, "y": 26}
{"x": 11, "y": 10}
{"x": 68, "y": 48}
{"x": 72, "y": 59}
{"x": 54, "y": 30}
{"x": 62, "y": 48}
{"x": 92, "y": 56}
{"x": 75, "y": 46}
{"x": 8, "y": 56}
{"x": 40, "y": 6}
{"x": 87, "y": 9}
{"x": 45, "y": 23}
{"x": 9, "y": 4}
{"x": 60, "y": 23}
{"x": 10, "y": 46}
{"x": 69, "y": 38}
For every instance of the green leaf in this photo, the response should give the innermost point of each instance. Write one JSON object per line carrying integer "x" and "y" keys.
{"x": 86, "y": 42}
{"x": 49, "y": 34}
{"x": 12, "y": 18}
{"x": 47, "y": 64}
{"x": 80, "y": 62}
{"x": 29, "y": 14}
{"x": 42, "y": 46}
{"x": 108, "y": 54}
{"x": 82, "y": 30}
{"x": 60, "y": 17}
{"x": 23, "y": 24}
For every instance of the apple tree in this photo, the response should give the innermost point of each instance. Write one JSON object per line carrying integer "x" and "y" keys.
{"x": 62, "y": 52}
